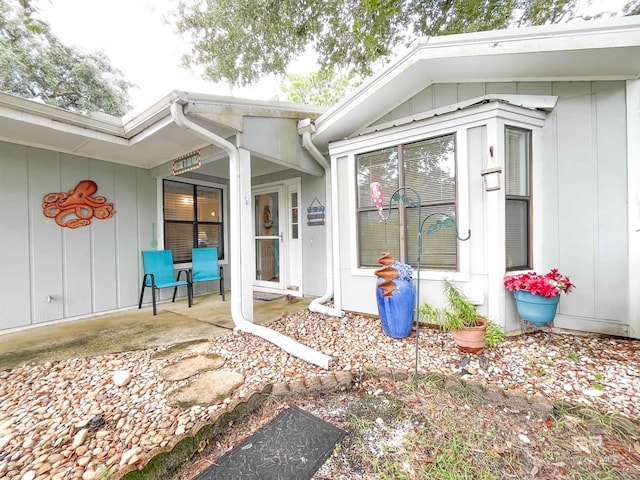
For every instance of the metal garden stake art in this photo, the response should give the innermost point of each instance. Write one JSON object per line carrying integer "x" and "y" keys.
{"x": 404, "y": 194}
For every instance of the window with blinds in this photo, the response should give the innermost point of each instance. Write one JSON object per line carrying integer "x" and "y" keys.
{"x": 428, "y": 167}
{"x": 518, "y": 197}
{"x": 192, "y": 219}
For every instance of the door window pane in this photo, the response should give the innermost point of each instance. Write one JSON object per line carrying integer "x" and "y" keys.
{"x": 268, "y": 260}
{"x": 266, "y": 214}
{"x": 294, "y": 215}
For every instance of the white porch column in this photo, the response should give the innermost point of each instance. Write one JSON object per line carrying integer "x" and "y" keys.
{"x": 494, "y": 232}
{"x": 633, "y": 189}
{"x": 247, "y": 245}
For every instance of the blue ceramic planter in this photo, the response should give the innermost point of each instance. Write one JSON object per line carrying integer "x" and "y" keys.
{"x": 536, "y": 309}
{"x": 396, "y": 311}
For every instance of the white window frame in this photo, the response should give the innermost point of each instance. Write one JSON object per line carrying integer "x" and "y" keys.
{"x": 495, "y": 116}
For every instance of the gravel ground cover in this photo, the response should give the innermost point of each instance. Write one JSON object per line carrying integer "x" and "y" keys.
{"x": 68, "y": 419}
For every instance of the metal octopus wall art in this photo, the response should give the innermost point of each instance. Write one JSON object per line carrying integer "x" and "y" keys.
{"x": 77, "y": 208}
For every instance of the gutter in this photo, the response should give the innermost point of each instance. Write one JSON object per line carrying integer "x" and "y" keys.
{"x": 305, "y": 129}
{"x": 242, "y": 324}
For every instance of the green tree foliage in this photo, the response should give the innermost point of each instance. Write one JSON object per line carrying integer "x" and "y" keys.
{"x": 323, "y": 87}
{"x": 35, "y": 64}
{"x": 241, "y": 41}
{"x": 632, "y": 8}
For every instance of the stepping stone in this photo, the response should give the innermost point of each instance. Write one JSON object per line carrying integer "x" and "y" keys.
{"x": 193, "y": 347}
{"x": 207, "y": 389}
{"x": 190, "y": 366}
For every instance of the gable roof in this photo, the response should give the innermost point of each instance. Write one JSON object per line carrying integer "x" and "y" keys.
{"x": 596, "y": 50}
{"x": 147, "y": 139}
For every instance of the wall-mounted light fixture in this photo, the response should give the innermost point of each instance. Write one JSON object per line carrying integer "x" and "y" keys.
{"x": 491, "y": 174}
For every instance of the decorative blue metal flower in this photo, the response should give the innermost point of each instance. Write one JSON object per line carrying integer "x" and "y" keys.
{"x": 404, "y": 271}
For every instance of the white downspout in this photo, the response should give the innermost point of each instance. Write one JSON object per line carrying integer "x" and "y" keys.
{"x": 282, "y": 341}
{"x": 306, "y": 128}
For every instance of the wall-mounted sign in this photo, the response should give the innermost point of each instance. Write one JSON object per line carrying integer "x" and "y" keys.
{"x": 77, "y": 208}
{"x": 186, "y": 163}
{"x": 315, "y": 213}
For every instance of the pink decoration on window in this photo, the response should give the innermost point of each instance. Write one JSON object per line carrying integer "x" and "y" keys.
{"x": 376, "y": 195}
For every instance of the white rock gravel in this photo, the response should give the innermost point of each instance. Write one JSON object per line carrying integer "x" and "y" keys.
{"x": 67, "y": 419}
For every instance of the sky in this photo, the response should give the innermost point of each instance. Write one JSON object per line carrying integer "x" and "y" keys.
{"x": 137, "y": 40}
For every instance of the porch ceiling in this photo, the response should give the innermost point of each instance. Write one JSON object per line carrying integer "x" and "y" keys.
{"x": 148, "y": 139}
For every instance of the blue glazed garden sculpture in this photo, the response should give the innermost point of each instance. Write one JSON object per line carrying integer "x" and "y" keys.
{"x": 395, "y": 293}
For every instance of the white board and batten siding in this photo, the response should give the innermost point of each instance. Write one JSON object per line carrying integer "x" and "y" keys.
{"x": 50, "y": 273}
{"x": 580, "y": 199}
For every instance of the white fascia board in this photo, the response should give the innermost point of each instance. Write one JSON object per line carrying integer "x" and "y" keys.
{"x": 394, "y": 84}
{"x": 618, "y": 29}
{"x": 26, "y": 110}
{"x": 61, "y": 126}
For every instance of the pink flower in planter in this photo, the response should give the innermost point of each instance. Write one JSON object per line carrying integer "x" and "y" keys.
{"x": 547, "y": 285}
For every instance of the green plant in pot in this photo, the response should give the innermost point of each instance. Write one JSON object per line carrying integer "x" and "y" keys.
{"x": 471, "y": 331}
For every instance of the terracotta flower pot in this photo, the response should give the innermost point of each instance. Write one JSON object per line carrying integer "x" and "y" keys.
{"x": 471, "y": 339}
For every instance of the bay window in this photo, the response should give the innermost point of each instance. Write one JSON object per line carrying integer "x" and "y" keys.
{"x": 426, "y": 167}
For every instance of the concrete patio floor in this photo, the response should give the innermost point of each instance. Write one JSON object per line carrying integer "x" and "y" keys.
{"x": 134, "y": 329}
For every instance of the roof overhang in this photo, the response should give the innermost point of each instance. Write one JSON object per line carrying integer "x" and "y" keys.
{"x": 586, "y": 51}
{"x": 147, "y": 139}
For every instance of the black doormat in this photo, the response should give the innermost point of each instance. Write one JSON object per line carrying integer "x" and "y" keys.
{"x": 292, "y": 446}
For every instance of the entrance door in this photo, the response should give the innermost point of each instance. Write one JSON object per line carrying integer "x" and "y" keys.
{"x": 270, "y": 239}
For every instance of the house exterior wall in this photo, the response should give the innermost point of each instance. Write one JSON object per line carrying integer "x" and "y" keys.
{"x": 314, "y": 245}
{"x": 277, "y": 139}
{"x": 579, "y": 205}
{"x": 50, "y": 272}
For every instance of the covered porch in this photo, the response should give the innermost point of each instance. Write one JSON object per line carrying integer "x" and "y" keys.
{"x": 134, "y": 329}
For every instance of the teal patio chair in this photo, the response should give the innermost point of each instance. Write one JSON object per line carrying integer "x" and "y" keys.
{"x": 158, "y": 273}
{"x": 205, "y": 267}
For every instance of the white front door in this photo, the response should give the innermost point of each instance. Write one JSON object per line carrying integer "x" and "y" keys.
{"x": 270, "y": 239}
{"x": 277, "y": 237}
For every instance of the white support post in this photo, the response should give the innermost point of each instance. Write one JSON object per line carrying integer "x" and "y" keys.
{"x": 633, "y": 189}
{"x": 247, "y": 245}
{"x": 494, "y": 232}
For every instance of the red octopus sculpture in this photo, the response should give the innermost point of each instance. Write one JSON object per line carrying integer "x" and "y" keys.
{"x": 80, "y": 203}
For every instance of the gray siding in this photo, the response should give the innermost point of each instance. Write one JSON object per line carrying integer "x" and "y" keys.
{"x": 591, "y": 211}
{"x": 584, "y": 167}
{"x": 15, "y": 245}
{"x": 277, "y": 139}
{"x": 85, "y": 270}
